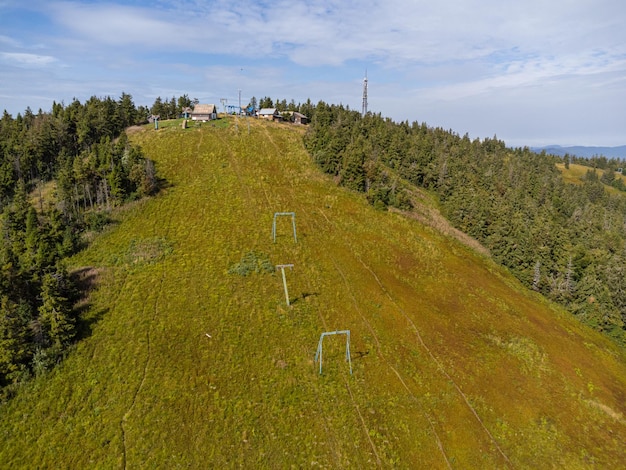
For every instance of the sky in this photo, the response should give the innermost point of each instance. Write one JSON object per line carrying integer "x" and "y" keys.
{"x": 531, "y": 73}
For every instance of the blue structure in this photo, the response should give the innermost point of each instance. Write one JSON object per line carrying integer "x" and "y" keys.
{"x": 233, "y": 109}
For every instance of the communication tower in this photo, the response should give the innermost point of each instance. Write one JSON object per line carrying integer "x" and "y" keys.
{"x": 364, "y": 108}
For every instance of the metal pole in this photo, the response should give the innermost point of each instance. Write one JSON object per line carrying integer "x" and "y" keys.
{"x": 348, "y": 350}
{"x": 285, "y": 285}
{"x": 318, "y": 353}
{"x": 274, "y": 229}
{"x": 282, "y": 268}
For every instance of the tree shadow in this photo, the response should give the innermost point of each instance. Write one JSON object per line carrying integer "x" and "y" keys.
{"x": 161, "y": 184}
{"x": 85, "y": 324}
{"x": 86, "y": 281}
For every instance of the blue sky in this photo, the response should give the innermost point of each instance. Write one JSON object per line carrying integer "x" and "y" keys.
{"x": 532, "y": 72}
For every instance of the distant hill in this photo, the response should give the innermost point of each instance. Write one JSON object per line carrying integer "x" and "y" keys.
{"x": 586, "y": 152}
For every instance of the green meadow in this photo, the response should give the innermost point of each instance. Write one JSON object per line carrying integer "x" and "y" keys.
{"x": 191, "y": 357}
{"x": 575, "y": 174}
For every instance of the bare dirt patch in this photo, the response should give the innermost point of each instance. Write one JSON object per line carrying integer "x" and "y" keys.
{"x": 133, "y": 129}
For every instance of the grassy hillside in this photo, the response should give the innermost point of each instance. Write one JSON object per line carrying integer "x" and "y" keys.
{"x": 575, "y": 173}
{"x": 188, "y": 364}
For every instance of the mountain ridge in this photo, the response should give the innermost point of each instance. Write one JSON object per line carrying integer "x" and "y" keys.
{"x": 584, "y": 151}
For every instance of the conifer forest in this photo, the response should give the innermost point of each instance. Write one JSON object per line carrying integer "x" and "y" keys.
{"x": 564, "y": 240}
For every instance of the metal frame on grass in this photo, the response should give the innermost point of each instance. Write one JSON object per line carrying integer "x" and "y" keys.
{"x": 293, "y": 223}
{"x": 318, "y": 354}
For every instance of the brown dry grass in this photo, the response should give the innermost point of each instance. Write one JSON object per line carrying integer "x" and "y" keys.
{"x": 431, "y": 217}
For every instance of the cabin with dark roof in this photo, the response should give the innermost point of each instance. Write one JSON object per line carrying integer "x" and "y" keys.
{"x": 299, "y": 118}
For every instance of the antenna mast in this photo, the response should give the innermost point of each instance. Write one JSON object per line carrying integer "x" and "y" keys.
{"x": 364, "y": 108}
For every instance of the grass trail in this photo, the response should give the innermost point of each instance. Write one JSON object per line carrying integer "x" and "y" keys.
{"x": 188, "y": 365}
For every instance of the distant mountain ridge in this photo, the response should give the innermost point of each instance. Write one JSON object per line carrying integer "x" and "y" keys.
{"x": 582, "y": 151}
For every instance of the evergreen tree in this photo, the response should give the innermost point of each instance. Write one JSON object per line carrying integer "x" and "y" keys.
{"x": 14, "y": 342}
{"x": 183, "y": 102}
{"x": 126, "y": 111}
{"x": 266, "y": 102}
{"x": 158, "y": 108}
{"x": 55, "y": 312}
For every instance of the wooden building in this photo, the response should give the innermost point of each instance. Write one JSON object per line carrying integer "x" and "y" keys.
{"x": 270, "y": 114}
{"x": 204, "y": 112}
{"x": 299, "y": 118}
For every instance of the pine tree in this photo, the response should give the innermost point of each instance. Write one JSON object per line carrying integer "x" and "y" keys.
{"x": 14, "y": 344}
{"x": 126, "y": 111}
{"x": 55, "y": 311}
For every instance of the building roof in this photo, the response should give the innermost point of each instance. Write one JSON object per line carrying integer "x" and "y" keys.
{"x": 205, "y": 109}
{"x": 267, "y": 112}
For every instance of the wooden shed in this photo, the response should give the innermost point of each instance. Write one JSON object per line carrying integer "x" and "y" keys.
{"x": 204, "y": 112}
{"x": 271, "y": 114}
{"x": 299, "y": 118}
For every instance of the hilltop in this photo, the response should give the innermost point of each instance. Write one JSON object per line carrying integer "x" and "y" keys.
{"x": 189, "y": 363}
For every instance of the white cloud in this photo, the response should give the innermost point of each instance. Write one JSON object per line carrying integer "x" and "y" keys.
{"x": 534, "y": 72}
{"x": 393, "y": 32}
{"x": 21, "y": 59}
